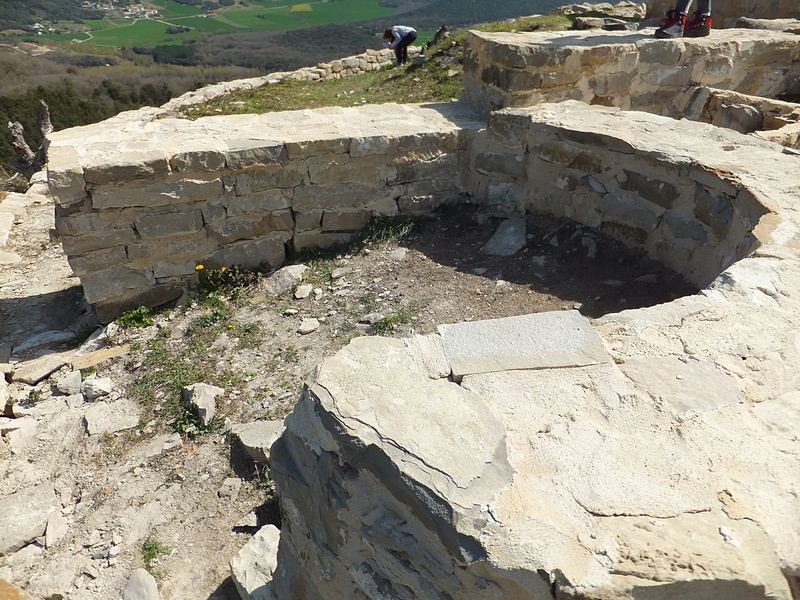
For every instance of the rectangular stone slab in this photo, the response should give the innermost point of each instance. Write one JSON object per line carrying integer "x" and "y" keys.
{"x": 537, "y": 341}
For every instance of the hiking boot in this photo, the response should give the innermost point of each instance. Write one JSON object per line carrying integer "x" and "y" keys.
{"x": 699, "y": 26}
{"x": 671, "y": 26}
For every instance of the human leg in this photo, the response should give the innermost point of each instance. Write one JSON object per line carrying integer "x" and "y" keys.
{"x": 672, "y": 25}
{"x": 402, "y": 47}
{"x": 700, "y": 23}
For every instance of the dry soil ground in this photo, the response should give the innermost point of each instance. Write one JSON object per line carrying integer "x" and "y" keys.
{"x": 250, "y": 345}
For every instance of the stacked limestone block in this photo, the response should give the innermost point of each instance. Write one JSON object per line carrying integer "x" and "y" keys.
{"x": 141, "y": 201}
{"x": 625, "y": 69}
{"x": 688, "y": 194}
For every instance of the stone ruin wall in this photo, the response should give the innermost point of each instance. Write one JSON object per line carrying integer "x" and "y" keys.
{"x": 442, "y": 499}
{"x": 138, "y": 211}
{"x": 633, "y": 71}
{"x": 134, "y": 230}
{"x": 690, "y": 216}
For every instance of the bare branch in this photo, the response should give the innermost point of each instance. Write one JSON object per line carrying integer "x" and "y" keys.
{"x": 43, "y": 119}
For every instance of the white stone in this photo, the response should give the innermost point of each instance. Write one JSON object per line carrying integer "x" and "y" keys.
{"x": 24, "y": 515}
{"x": 257, "y": 437}
{"x": 70, "y": 384}
{"x": 203, "y": 397}
{"x": 97, "y": 387}
{"x": 253, "y": 566}
{"x": 141, "y": 586}
{"x": 110, "y": 417}
{"x": 303, "y": 291}
{"x": 308, "y": 325}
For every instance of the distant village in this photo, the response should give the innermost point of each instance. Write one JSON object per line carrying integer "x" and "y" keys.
{"x": 111, "y": 10}
{"x": 134, "y": 11}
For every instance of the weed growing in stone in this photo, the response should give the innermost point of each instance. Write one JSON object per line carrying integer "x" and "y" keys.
{"x": 138, "y": 317}
{"x": 368, "y": 301}
{"x": 230, "y": 282}
{"x": 386, "y": 324}
{"x": 151, "y": 550}
{"x": 383, "y": 230}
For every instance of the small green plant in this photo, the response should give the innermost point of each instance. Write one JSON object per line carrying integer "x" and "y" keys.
{"x": 216, "y": 316}
{"x": 151, "y": 549}
{"x": 189, "y": 422}
{"x": 138, "y": 317}
{"x": 368, "y": 300}
{"x": 381, "y": 230}
{"x": 34, "y": 396}
{"x": 288, "y": 354}
{"x": 85, "y": 373}
{"x": 387, "y": 324}
{"x": 230, "y": 281}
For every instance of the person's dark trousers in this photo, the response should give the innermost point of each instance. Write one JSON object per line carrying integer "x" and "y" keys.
{"x": 401, "y": 50}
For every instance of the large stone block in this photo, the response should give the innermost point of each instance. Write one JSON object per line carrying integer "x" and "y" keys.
{"x": 163, "y": 193}
{"x": 271, "y": 176}
{"x": 99, "y": 260}
{"x": 108, "y": 238}
{"x": 168, "y": 224}
{"x": 655, "y": 190}
{"x": 199, "y": 160}
{"x": 715, "y": 210}
{"x": 268, "y": 252}
{"x": 495, "y": 163}
{"x": 256, "y": 204}
{"x": 317, "y": 197}
{"x": 319, "y": 239}
{"x": 543, "y": 340}
{"x": 143, "y": 165}
{"x": 628, "y": 209}
{"x": 317, "y": 147}
{"x": 244, "y": 154}
{"x": 342, "y": 169}
{"x": 443, "y": 166}
{"x": 111, "y": 283}
{"x": 197, "y": 245}
{"x": 154, "y": 295}
{"x": 345, "y": 220}
{"x": 24, "y": 514}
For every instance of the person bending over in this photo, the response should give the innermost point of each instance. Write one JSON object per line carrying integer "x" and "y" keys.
{"x": 675, "y": 24}
{"x": 401, "y": 37}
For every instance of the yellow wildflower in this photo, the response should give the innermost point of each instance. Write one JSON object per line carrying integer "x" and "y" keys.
{"x": 198, "y": 267}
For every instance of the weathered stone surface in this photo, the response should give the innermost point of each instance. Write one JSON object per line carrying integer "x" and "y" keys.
{"x": 110, "y": 417}
{"x": 33, "y": 371}
{"x": 70, "y": 383}
{"x": 508, "y": 239}
{"x": 96, "y": 387}
{"x": 253, "y": 567}
{"x": 257, "y": 437}
{"x": 141, "y": 586}
{"x": 57, "y": 526}
{"x": 24, "y": 514}
{"x": 685, "y": 385}
{"x": 92, "y": 359}
{"x": 43, "y": 339}
{"x": 544, "y": 340}
{"x": 203, "y": 397}
{"x": 163, "y": 225}
{"x": 286, "y": 279}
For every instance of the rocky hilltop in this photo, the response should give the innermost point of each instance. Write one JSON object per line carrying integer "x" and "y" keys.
{"x": 647, "y": 453}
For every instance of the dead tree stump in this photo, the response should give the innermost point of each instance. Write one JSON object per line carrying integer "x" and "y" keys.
{"x": 28, "y": 161}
